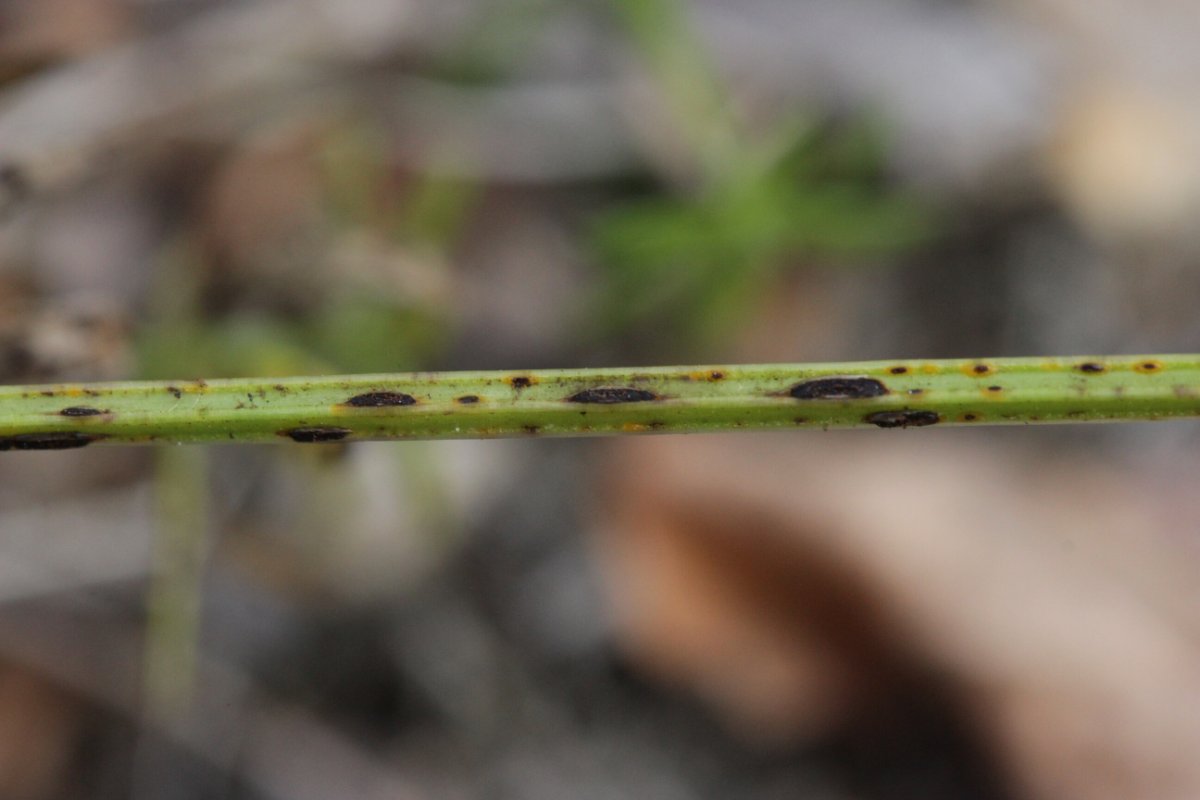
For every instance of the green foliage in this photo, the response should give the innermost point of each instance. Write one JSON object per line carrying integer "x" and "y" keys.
{"x": 700, "y": 259}
{"x": 708, "y": 257}
{"x": 362, "y": 334}
{"x": 500, "y": 36}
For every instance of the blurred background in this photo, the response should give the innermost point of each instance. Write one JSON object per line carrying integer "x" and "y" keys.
{"x": 202, "y": 188}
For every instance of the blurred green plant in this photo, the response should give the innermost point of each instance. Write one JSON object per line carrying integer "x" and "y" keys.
{"x": 173, "y": 595}
{"x": 500, "y": 35}
{"x": 700, "y": 257}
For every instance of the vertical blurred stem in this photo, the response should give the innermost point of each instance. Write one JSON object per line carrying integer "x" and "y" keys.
{"x": 660, "y": 30}
{"x": 173, "y": 602}
{"x": 426, "y": 492}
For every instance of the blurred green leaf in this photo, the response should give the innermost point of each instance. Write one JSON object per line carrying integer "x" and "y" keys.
{"x": 361, "y": 334}
{"x": 679, "y": 256}
{"x": 435, "y": 210}
{"x": 797, "y": 190}
{"x": 235, "y": 346}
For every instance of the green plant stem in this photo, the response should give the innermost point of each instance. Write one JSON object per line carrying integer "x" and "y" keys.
{"x": 582, "y": 402}
{"x": 174, "y": 592}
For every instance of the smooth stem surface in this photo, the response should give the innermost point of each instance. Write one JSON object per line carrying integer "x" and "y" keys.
{"x": 582, "y": 402}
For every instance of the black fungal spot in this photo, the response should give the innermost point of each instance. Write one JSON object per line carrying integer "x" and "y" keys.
{"x": 716, "y": 375}
{"x": 609, "y": 395}
{"x": 46, "y": 441}
{"x": 81, "y": 411}
{"x": 174, "y": 390}
{"x": 995, "y": 388}
{"x": 981, "y": 369}
{"x": 521, "y": 382}
{"x": 838, "y": 389}
{"x": 309, "y": 435}
{"x": 916, "y": 391}
{"x": 381, "y": 400}
{"x": 467, "y": 399}
{"x": 969, "y": 417}
{"x": 1090, "y": 366}
{"x": 532, "y": 430}
{"x": 898, "y": 370}
{"x": 903, "y": 419}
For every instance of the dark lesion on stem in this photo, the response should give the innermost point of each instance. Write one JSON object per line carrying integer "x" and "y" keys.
{"x": 610, "y": 395}
{"x": 903, "y": 419}
{"x": 381, "y": 400}
{"x": 81, "y": 411}
{"x": 838, "y": 388}
{"x": 56, "y": 440}
{"x": 315, "y": 434}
